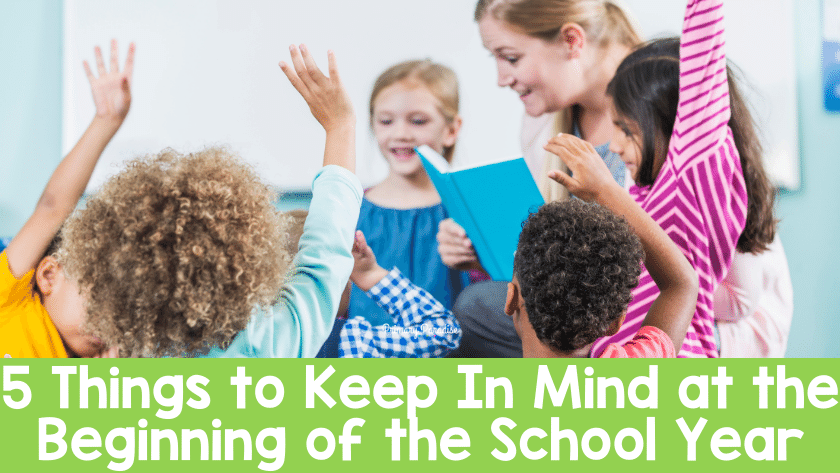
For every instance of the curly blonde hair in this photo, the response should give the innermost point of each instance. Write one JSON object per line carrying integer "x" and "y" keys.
{"x": 175, "y": 252}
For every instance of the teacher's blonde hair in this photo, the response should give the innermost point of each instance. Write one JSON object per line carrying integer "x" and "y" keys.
{"x": 605, "y": 24}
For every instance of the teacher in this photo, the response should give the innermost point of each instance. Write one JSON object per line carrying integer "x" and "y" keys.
{"x": 558, "y": 56}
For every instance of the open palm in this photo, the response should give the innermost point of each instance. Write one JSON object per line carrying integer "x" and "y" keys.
{"x": 111, "y": 89}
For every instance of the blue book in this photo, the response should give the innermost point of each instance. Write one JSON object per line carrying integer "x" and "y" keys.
{"x": 490, "y": 201}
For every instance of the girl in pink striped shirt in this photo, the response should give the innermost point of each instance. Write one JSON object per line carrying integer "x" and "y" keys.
{"x": 675, "y": 135}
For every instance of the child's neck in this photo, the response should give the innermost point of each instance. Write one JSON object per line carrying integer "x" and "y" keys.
{"x": 540, "y": 350}
{"x": 404, "y": 191}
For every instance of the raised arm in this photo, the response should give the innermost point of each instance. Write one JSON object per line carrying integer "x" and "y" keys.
{"x": 301, "y": 320}
{"x": 674, "y": 308}
{"x": 112, "y": 97}
{"x": 703, "y": 110}
{"x": 329, "y": 103}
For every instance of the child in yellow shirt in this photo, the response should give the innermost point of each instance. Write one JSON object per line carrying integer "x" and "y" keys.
{"x": 42, "y": 311}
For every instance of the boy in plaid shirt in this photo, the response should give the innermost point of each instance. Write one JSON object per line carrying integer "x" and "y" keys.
{"x": 422, "y": 327}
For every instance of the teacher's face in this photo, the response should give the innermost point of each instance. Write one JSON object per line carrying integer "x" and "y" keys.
{"x": 542, "y": 73}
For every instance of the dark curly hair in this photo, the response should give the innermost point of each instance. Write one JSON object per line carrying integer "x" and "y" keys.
{"x": 576, "y": 264}
{"x": 175, "y": 252}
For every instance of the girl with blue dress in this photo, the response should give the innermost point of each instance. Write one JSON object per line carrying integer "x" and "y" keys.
{"x": 413, "y": 103}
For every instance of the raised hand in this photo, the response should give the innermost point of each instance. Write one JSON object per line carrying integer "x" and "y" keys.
{"x": 326, "y": 97}
{"x": 590, "y": 177}
{"x": 111, "y": 89}
{"x": 366, "y": 272}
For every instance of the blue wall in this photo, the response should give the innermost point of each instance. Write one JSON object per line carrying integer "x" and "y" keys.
{"x": 30, "y": 105}
{"x": 30, "y": 133}
{"x": 810, "y": 217}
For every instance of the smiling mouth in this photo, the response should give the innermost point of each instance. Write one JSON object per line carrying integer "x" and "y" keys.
{"x": 524, "y": 94}
{"x": 403, "y": 152}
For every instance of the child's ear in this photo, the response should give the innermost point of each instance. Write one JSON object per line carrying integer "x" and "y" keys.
{"x": 512, "y": 299}
{"x": 46, "y": 274}
{"x": 615, "y": 326}
{"x": 452, "y": 131}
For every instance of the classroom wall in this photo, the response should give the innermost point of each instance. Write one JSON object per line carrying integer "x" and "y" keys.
{"x": 810, "y": 227}
{"x": 30, "y": 144}
{"x": 30, "y": 105}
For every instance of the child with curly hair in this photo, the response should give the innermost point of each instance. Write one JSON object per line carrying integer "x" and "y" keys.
{"x": 577, "y": 264}
{"x": 41, "y": 308}
{"x": 179, "y": 254}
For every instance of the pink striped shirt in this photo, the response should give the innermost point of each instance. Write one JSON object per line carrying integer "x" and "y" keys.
{"x": 699, "y": 197}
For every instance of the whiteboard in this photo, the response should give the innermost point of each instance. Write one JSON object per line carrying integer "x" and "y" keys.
{"x": 206, "y": 73}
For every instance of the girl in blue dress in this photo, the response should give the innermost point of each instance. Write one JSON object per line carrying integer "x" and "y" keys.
{"x": 413, "y": 103}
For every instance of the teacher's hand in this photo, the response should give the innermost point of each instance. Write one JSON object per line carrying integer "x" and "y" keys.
{"x": 456, "y": 250}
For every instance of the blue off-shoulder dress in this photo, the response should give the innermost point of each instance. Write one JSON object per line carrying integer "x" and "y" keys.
{"x": 405, "y": 239}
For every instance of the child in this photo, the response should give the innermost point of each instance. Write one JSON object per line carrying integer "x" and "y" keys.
{"x": 420, "y": 326}
{"x": 41, "y": 309}
{"x": 413, "y": 103}
{"x": 672, "y": 132}
{"x": 177, "y": 252}
{"x": 557, "y": 56}
{"x": 753, "y": 305}
{"x": 576, "y": 265}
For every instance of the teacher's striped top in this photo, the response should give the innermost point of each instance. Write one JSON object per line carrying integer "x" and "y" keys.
{"x": 699, "y": 197}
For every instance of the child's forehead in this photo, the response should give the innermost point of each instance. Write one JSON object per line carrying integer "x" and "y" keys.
{"x": 623, "y": 120}
{"x": 409, "y": 93}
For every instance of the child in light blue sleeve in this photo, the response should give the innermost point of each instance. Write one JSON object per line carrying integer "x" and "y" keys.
{"x": 298, "y": 324}
{"x": 180, "y": 253}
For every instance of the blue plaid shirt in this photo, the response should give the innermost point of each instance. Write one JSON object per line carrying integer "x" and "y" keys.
{"x": 422, "y": 327}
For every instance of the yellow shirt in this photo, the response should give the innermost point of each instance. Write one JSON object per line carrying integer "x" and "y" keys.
{"x": 26, "y": 330}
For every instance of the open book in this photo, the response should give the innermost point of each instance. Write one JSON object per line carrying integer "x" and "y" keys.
{"x": 490, "y": 201}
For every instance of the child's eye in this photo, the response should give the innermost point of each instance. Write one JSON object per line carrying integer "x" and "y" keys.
{"x": 624, "y": 129}
{"x": 419, "y": 121}
{"x": 385, "y": 121}
{"x": 511, "y": 59}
